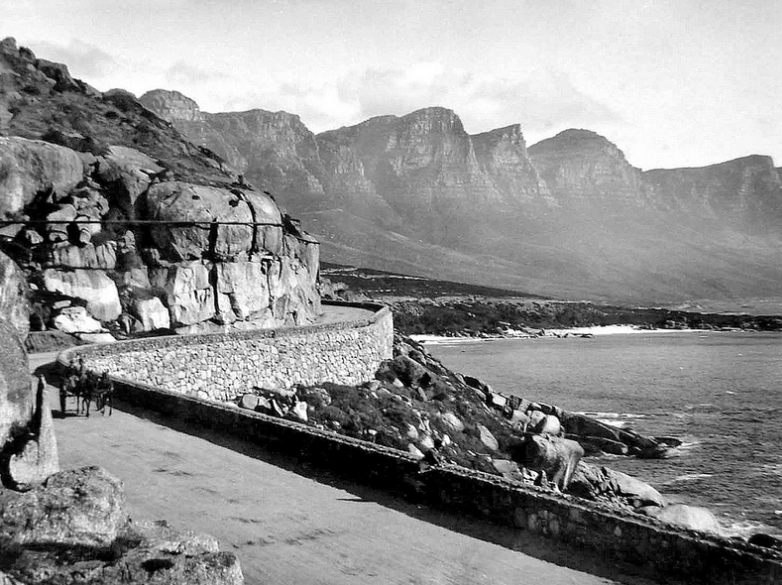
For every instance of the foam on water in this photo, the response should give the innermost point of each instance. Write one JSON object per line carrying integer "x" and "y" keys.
{"x": 691, "y": 477}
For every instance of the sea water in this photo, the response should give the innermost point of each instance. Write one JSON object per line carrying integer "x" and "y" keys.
{"x": 718, "y": 392}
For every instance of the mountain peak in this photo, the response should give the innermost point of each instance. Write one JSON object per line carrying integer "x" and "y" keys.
{"x": 171, "y": 105}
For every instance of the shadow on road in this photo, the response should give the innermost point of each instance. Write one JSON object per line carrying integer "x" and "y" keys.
{"x": 534, "y": 545}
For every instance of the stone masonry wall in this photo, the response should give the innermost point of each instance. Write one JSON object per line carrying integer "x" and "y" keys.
{"x": 222, "y": 366}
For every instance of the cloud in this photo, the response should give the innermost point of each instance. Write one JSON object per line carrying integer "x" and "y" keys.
{"x": 541, "y": 102}
{"x": 181, "y": 73}
{"x": 82, "y": 59}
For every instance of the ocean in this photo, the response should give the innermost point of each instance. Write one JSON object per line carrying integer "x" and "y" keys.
{"x": 719, "y": 392}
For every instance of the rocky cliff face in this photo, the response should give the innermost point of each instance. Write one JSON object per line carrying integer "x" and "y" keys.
{"x": 746, "y": 192}
{"x": 120, "y": 214}
{"x": 274, "y": 150}
{"x": 568, "y": 217}
{"x": 583, "y": 169}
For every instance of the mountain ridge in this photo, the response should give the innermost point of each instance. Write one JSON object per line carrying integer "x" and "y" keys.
{"x": 567, "y": 216}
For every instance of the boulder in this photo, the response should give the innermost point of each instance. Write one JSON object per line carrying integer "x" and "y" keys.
{"x": 178, "y": 201}
{"x": 135, "y": 278}
{"x": 555, "y": 456}
{"x": 548, "y": 425}
{"x": 299, "y": 412}
{"x": 410, "y": 372}
{"x": 80, "y": 507}
{"x": 58, "y": 223}
{"x": 67, "y": 255}
{"x": 592, "y": 482}
{"x": 76, "y": 320}
{"x": 536, "y": 418}
{"x": 17, "y": 399}
{"x": 692, "y": 517}
{"x": 635, "y": 491}
{"x": 427, "y": 442}
{"x": 189, "y": 295}
{"x": 243, "y": 289}
{"x": 152, "y": 314}
{"x": 498, "y": 401}
{"x": 519, "y": 419}
{"x": 488, "y": 440}
{"x": 38, "y": 458}
{"x": 92, "y": 286}
{"x": 249, "y": 401}
{"x": 130, "y": 172}
{"x": 14, "y": 306}
{"x": 30, "y": 167}
{"x": 166, "y": 557}
{"x": 577, "y": 424}
{"x": 414, "y": 451}
{"x": 453, "y": 422}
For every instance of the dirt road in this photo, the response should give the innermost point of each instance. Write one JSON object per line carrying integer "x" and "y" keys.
{"x": 289, "y": 524}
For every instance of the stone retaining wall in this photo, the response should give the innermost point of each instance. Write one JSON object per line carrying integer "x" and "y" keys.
{"x": 220, "y": 366}
{"x": 656, "y": 549}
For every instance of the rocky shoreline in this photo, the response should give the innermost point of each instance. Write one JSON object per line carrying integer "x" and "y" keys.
{"x": 417, "y": 405}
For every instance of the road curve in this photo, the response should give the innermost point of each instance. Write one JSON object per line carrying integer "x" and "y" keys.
{"x": 289, "y": 524}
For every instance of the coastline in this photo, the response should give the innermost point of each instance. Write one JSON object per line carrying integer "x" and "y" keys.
{"x": 558, "y": 333}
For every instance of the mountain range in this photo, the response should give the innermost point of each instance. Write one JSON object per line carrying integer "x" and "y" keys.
{"x": 568, "y": 217}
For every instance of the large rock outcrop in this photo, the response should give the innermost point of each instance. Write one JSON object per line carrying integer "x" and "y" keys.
{"x": 133, "y": 222}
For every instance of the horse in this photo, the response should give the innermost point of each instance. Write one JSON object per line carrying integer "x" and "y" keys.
{"x": 101, "y": 391}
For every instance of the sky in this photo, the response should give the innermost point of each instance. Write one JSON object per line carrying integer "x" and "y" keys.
{"x": 673, "y": 83}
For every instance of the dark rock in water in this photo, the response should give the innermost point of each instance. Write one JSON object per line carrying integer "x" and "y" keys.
{"x": 555, "y": 456}
{"x": 669, "y": 441}
{"x": 766, "y": 540}
{"x": 82, "y": 507}
{"x": 599, "y": 444}
{"x": 600, "y": 483}
{"x": 584, "y": 426}
{"x": 692, "y": 517}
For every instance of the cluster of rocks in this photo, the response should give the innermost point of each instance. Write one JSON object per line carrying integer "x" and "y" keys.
{"x": 131, "y": 238}
{"x": 75, "y": 528}
{"x": 72, "y": 526}
{"x": 417, "y": 405}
